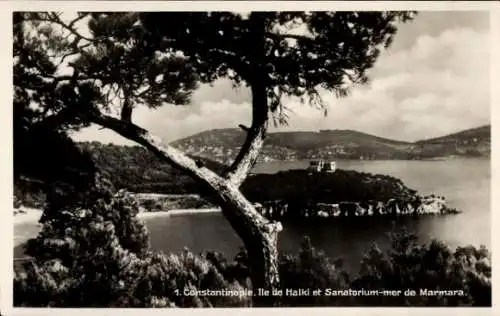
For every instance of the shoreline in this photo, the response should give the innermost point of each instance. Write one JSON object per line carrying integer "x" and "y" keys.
{"x": 26, "y": 224}
{"x": 179, "y": 212}
{"x": 337, "y": 159}
{"x": 32, "y": 215}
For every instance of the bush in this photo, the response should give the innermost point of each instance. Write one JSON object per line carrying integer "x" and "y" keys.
{"x": 85, "y": 223}
{"x": 311, "y": 269}
{"x": 86, "y": 251}
{"x": 408, "y": 265}
{"x": 95, "y": 253}
{"x": 176, "y": 279}
{"x": 424, "y": 268}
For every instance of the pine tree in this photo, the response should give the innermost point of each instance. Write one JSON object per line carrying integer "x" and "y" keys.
{"x": 134, "y": 59}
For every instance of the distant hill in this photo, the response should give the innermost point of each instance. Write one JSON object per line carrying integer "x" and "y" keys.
{"x": 474, "y": 142}
{"x": 222, "y": 145}
{"x": 481, "y": 133}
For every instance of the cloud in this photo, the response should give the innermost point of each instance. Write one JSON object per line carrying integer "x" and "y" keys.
{"x": 173, "y": 122}
{"x": 437, "y": 84}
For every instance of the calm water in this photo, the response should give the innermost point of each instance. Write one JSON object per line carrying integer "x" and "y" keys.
{"x": 465, "y": 183}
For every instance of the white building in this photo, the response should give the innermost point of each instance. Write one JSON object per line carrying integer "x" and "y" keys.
{"x": 321, "y": 166}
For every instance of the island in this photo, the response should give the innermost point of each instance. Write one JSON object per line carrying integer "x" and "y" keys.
{"x": 299, "y": 195}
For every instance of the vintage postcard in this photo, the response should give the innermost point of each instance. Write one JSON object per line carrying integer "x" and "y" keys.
{"x": 244, "y": 155}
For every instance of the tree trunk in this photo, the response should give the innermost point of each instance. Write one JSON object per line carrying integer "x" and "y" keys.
{"x": 259, "y": 236}
{"x": 261, "y": 244}
{"x": 263, "y": 257}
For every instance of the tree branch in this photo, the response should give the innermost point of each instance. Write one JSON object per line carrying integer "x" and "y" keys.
{"x": 247, "y": 157}
{"x": 76, "y": 50}
{"x": 138, "y": 135}
{"x": 141, "y": 136}
{"x": 70, "y": 77}
{"x": 141, "y": 94}
{"x": 254, "y": 142}
{"x": 69, "y": 27}
{"x": 226, "y": 53}
{"x": 82, "y": 16}
{"x": 56, "y": 120}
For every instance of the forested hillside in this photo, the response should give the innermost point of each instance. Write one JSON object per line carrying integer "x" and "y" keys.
{"x": 138, "y": 170}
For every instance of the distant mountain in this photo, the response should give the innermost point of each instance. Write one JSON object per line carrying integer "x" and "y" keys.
{"x": 222, "y": 145}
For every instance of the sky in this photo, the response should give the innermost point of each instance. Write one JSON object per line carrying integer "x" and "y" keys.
{"x": 433, "y": 80}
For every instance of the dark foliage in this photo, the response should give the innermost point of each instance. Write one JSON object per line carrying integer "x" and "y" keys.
{"x": 433, "y": 266}
{"x": 297, "y": 187}
{"x": 163, "y": 203}
{"x": 156, "y": 279}
{"x": 311, "y": 269}
{"x": 136, "y": 169}
{"x": 45, "y": 159}
{"x": 113, "y": 63}
{"x": 337, "y": 48}
{"x": 155, "y": 58}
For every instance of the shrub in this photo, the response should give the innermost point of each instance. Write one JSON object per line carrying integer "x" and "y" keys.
{"x": 87, "y": 252}
{"x": 82, "y": 224}
{"x": 175, "y": 279}
{"x": 311, "y": 269}
{"x": 426, "y": 267}
{"x": 95, "y": 253}
{"x": 408, "y": 265}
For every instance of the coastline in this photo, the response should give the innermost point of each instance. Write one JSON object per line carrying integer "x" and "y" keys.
{"x": 178, "y": 212}
{"x": 26, "y": 224}
{"x": 32, "y": 215}
{"x": 342, "y": 159}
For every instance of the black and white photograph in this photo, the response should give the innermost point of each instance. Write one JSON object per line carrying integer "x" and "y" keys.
{"x": 251, "y": 158}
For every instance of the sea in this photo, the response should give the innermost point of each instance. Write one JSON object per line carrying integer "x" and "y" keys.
{"x": 464, "y": 182}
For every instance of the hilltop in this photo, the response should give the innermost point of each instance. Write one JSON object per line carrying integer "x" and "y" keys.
{"x": 481, "y": 132}
{"x": 475, "y": 142}
{"x": 222, "y": 145}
